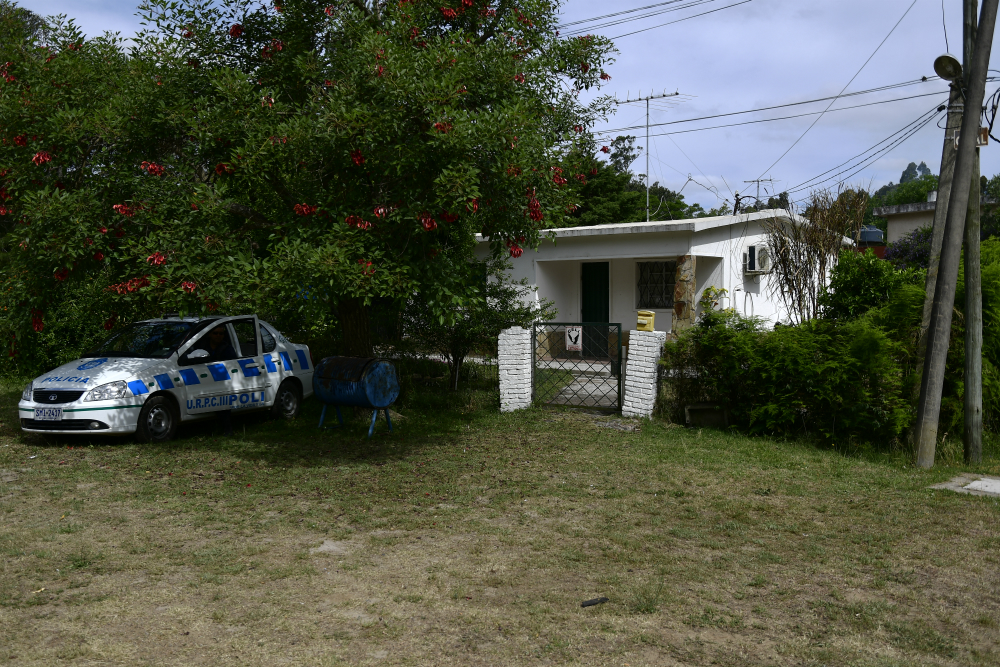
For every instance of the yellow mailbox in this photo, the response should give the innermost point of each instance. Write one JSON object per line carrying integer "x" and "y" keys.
{"x": 645, "y": 320}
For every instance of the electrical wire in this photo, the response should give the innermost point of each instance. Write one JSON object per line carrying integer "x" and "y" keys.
{"x": 855, "y": 169}
{"x": 636, "y": 32}
{"x": 856, "y": 74}
{"x": 947, "y": 49}
{"x": 811, "y": 182}
{"x": 784, "y": 106}
{"x": 771, "y": 120}
{"x": 619, "y": 21}
{"x": 696, "y": 166}
{"x": 561, "y": 26}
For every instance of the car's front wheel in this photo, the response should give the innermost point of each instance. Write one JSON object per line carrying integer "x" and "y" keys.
{"x": 157, "y": 420}
{"x": 288, "y": 401}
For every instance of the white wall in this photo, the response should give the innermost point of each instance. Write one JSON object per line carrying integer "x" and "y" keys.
{"x": 555, "y": 267}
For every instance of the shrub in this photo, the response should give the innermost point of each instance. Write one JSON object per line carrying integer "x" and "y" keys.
{"x": 828, "y": 378}
{"x": 861, "y": 282}
{"x": 913, "y": 251}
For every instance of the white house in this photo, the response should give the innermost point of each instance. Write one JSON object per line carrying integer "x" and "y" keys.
{"x": 606, "y": 273}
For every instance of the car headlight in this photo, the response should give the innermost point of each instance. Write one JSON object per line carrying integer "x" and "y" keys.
{"x": 26, "y": 394}
{"x": 106, "y": 392}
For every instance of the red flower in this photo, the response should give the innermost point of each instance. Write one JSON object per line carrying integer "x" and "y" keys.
{"x": 578, "y": 128}
{"x": 449, "y": 13}
{"x": 518, "y": 78}
{"x": 585, "y": 67}
{"x": 381, "y": 211}
{"x": 379, "y": 71}
{"x": 20, "y": 140}
{"x": 357, "y": 157}
{"x": 194, "y": 207}
{"x": 449, "y": 217}
{"x": 327, "y": 82}
{"x": 124, "y": 209}
{"x": 329, "y": 10}
{"x": 187, "y": 34}
{"x": 472, "y": 205}
{"x": 156, "y": 258}
{"x": 515, "y": 250}
{"x": 304, "y": 209}
{"x": 223, "y": 168}
{"x": 428, "y": 222}
{"x": 41, "y": 157}
{"x": 110, "y": 322}
{"x": 189, "y": 287}
{"x": 153, "y": 169}
{"x": 36, "y": 320}
{"x": 99, "y": 256}
{"x": 366, "y": 267}
{"x": 104, "y": 230}
{"x": 443, "y": 127}
{"x": 278, "y": 8}
{"x": 559, "y": 180}
{"x": 267, "y": 101}
{"x": 593, "y": 172}
{"x": 236, "y": 31}
{"x": 605, "y": 149}
{"x": 357, "y": 221}
{"x": 4, "y": 210}
{"x": 605, "y": 76}
{"x": 513, "y": 171}
{"x": 61, "y": 274}
{"x": 581, "y": 178}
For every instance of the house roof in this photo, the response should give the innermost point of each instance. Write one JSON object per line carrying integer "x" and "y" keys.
{"x": 690, "y": 225}
{"x": 902, "y": 209}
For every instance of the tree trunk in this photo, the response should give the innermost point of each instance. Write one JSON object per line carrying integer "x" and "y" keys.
{"x": 353, "y": 315}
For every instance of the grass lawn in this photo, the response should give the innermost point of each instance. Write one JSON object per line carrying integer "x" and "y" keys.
{"x": 470, "y": 537}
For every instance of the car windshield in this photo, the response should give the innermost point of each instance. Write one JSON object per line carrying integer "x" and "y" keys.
{"x": 151, "y": 340}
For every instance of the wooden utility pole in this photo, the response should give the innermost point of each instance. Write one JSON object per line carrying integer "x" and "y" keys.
{"x": 939, "y": 331}
{"x": 973, "y": 281}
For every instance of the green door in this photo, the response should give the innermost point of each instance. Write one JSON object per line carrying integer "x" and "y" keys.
{"x": 596, "y": 308}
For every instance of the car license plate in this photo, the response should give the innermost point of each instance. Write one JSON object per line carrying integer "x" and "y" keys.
{"x": 48, "y": 414}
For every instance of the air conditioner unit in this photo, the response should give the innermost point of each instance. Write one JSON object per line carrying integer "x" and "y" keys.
{"x": 756, "y": 260}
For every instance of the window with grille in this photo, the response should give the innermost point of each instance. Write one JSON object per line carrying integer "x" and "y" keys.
{"x": 656, "y": 284}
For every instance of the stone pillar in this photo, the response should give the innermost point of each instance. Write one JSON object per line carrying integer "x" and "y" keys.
{"x": 685, "y": 291}
{"x": 515, "y": 359}
{"x": 644, "y": 349}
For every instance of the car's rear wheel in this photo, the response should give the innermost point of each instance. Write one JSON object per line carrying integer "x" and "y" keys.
{"x": 157, "y": 420}
{"x": 288, "y": 401}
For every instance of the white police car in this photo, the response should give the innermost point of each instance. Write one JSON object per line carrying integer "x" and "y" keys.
{"x": 151, "y": 376}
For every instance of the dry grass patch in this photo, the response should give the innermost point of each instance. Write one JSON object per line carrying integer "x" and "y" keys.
{"x": 470, "y": 537}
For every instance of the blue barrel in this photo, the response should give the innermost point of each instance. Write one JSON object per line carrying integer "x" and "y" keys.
{"x": 362, "y": 383}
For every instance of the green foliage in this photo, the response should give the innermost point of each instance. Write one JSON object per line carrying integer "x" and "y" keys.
{"x": 860, "y": 282}
{"x": 282, "y": 158}
{"x": 502, "y": 303}
{"x": 833, "y": 379}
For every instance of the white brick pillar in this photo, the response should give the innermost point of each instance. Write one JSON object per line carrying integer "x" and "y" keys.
{"x": 644, "y": 349}
{"x": 514, "y": 360}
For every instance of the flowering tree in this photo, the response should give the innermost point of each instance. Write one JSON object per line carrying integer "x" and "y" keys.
{"x": 333, "y": 152}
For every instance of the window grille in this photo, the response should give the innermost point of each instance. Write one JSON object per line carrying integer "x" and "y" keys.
{"x": 656, "y": 284}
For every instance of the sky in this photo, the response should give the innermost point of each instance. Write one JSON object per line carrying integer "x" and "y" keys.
{"x": 760, "y": 53}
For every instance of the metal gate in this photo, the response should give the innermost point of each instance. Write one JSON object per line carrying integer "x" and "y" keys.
{"x": 577, "y": 364}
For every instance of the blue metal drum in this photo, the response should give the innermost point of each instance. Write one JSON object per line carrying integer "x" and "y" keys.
{"x": 362, "y": 383}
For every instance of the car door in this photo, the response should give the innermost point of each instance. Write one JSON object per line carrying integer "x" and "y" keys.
{"x": 251, "y": 381}
{"x": 208, "y": 380}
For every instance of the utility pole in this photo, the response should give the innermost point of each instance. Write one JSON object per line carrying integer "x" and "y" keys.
{"x": 973, "y": 437}
{"x": 939, "y": 331}
{"x": 646, "y": 100}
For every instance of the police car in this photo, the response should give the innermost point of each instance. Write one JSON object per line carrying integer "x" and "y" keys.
{"x": 151, "y": 376}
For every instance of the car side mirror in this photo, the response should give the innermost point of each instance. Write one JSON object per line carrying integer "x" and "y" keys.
{"x": 197, "y": 354}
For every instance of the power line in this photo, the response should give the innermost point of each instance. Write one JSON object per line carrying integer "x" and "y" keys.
{"x": 783, "y": 106}
{"x": 712, "y": 11}
{"x": 856, "y": 74}
{"x": 619, "y": 21}
{"x": 771, "y": 120}
{"x": 815, "y": 179}
{"x": 621, "y": 13}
